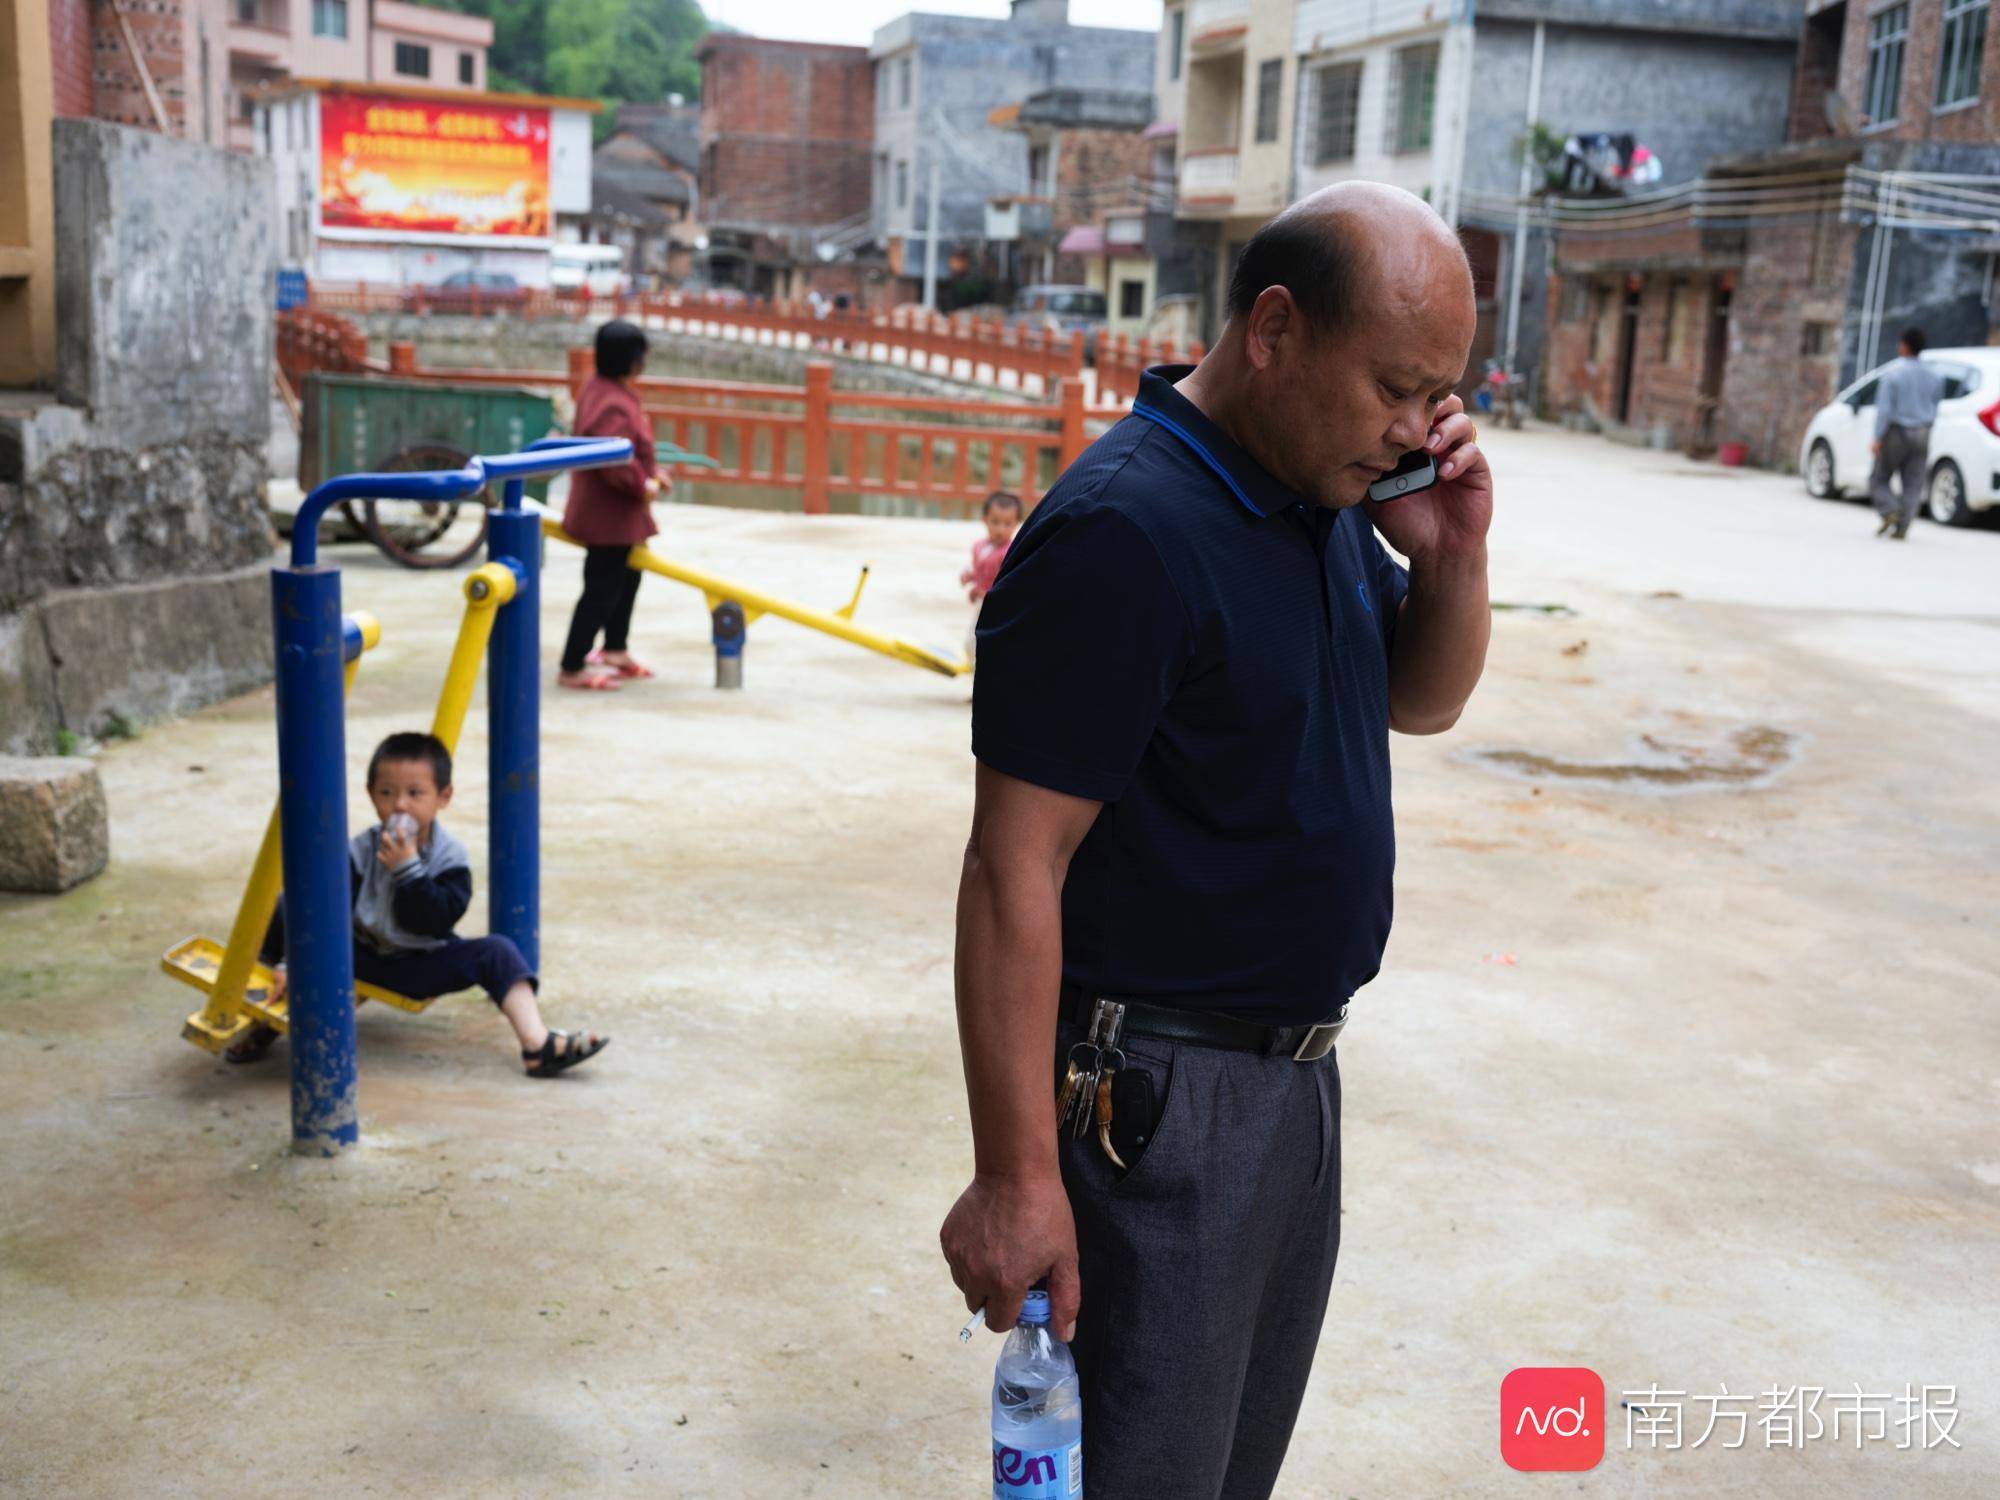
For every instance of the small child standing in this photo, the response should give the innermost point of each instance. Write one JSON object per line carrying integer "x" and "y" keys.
{"x": 1002, "y": 514}
{"x": 411, "y": 882}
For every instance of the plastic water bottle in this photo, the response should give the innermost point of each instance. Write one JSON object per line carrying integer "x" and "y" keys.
{"x": 400, "y": 825}
{"x": 1037, "y": 1413}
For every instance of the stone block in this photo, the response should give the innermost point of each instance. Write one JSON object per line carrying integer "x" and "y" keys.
{"x": 54, "y": 829}
{"x": 148, "y": 651}
{"x": 166, "y": 252}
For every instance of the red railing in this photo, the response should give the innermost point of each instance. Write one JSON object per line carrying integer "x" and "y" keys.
{"x": 310, "y": 342}
{"x": 824, "y": 442}
{"x": 958, "y": 346}
{"x": 1121, "y": 360}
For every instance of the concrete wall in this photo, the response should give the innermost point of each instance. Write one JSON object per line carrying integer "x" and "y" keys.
{"x": 133, "y": 529}
{"x": 1693, "y": 98}
{"x": 164, "y": 284}
{"x": 1721, "y": 18}
{"x": 962, "y": 68}
{"x": 1934, "y": 279}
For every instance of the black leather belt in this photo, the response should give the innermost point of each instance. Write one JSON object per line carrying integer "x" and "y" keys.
{"x": 1205, "y": 1028}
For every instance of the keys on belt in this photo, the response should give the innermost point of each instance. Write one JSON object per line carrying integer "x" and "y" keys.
{"x": 1208, "y": 1028}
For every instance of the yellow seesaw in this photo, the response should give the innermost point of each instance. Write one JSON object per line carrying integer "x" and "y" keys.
{"x": 238, "y": 987}
{"x": 755, "y": 603}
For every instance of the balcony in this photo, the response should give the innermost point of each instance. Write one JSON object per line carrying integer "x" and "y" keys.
{"x": 271, "y": 45}
{"x": 1208, "y": 178}
{"x": 1217, "y": 25}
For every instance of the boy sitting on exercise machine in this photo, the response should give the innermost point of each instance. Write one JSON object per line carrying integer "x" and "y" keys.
{"x": 411, "y": 882}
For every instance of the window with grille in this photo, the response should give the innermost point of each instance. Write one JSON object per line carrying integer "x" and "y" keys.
{"x": 1177, "y": 38}
{"x": 465, "y": 68}
{"x": 1961, "y": 51}
{"x": 1270, "y": 84}
{"x": 903, "y": 82}
{"x": 330, "y": 18}
{"x": 1337, "y": 107}
{"x": 1888, "y": 32}
{"x": 1413, "y": 99}
{"x": 413, "y": 60}
{"x": 902, "y": 184}
{"x": 1131, "y": 299}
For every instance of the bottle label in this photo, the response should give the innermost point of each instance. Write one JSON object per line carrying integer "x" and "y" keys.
{"x": 1037, "y": 1473}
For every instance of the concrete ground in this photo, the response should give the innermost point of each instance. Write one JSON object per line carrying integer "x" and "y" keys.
{"x": 1683, "y": 1065}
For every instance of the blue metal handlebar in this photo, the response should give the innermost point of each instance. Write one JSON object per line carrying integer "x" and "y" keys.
{"x": 550, "y": 455}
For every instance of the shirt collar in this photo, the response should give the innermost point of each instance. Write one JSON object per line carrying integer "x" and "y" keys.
{"x": 1252, "y": 485}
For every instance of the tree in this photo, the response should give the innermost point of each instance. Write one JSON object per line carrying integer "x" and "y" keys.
{"x": 614, "y": 51}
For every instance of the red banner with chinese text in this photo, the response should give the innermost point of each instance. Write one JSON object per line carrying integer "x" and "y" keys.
{"x": 402, "y": 167}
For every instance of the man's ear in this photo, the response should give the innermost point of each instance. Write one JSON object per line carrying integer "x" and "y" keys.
{"x": 1272, "y": 316}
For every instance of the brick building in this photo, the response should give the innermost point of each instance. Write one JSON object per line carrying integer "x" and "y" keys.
{"x": 1732, "y": 314}
{"x": 170, "y": 76}
{"x": 786, "y": 129}
{"x": 198, "y": 62}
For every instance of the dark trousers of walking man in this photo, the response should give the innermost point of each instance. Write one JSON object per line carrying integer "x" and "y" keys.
{"x": 1905, "y": 452}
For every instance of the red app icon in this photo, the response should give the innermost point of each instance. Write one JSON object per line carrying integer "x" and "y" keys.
{"x": 1552, "y": 1419}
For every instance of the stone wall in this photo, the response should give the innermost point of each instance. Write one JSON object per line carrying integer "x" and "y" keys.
{"x": 134, "y": 537}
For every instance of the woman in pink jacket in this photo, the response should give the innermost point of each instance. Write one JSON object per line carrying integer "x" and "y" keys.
{"x": 610, "y": 511}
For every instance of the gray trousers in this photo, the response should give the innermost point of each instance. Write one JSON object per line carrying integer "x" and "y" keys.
{"x": 1906, "y": 452}
{"x": 1205, "y": 1272}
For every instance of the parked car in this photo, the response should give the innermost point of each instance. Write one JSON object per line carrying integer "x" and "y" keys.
{"x": 1061, "y": 309}
{"x": 596, "y": 269}
{"x": 467, "y": 291}
{"x": 1964, "y": 476}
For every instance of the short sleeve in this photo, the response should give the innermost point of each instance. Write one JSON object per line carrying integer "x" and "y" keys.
{"x": 1082, "y": 641}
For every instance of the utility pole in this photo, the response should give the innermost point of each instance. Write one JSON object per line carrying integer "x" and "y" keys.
{"x": 931, "y": 234}
{"x": 1521, "y": 211}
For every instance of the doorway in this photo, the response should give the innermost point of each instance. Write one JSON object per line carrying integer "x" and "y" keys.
{"x": 1628, "y": 342}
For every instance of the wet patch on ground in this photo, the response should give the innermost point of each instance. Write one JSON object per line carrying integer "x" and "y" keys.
{"x": 1745, "y": 757}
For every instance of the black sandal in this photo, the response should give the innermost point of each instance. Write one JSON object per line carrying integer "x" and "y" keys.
{"x": 548, "y": 1061}
{"x": 255, "y": 1043}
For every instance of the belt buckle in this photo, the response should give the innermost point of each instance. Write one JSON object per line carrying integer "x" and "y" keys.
{"x": 1319, "y": 1040}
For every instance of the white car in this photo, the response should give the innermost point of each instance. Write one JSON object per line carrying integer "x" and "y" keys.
{"x": 1965, "y": 440}
{"x": 596, "y": 269}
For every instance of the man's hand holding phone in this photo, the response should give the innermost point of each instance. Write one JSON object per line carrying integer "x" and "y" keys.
{"x": 1448, "y": 517}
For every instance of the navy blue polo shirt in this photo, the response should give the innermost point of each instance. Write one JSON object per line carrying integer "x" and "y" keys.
{"x": 1177, "y": 635}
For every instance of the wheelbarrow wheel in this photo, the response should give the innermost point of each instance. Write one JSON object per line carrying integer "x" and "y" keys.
{"x": 409, "y": 530}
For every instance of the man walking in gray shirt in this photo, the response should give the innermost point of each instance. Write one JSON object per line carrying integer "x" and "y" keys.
{"x": 1906, "y": 404}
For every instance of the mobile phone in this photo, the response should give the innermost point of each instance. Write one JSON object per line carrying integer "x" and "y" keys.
{"x": 1414, "y": 471}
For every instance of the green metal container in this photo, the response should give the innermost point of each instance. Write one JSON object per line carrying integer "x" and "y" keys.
{"x": 357, "y": 423}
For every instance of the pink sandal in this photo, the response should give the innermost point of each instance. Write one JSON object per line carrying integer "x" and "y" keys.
{"x": 588, "y": 682}
{"x": 623, "y": 669}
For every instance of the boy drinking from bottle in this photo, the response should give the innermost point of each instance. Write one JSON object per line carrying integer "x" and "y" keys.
{"x": 411, "y": 882}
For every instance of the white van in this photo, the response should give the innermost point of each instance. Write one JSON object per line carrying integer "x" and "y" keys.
{"x": 598, "y": 269}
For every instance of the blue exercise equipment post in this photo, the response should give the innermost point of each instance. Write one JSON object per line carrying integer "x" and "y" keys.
{"x": 312, "y": 650}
